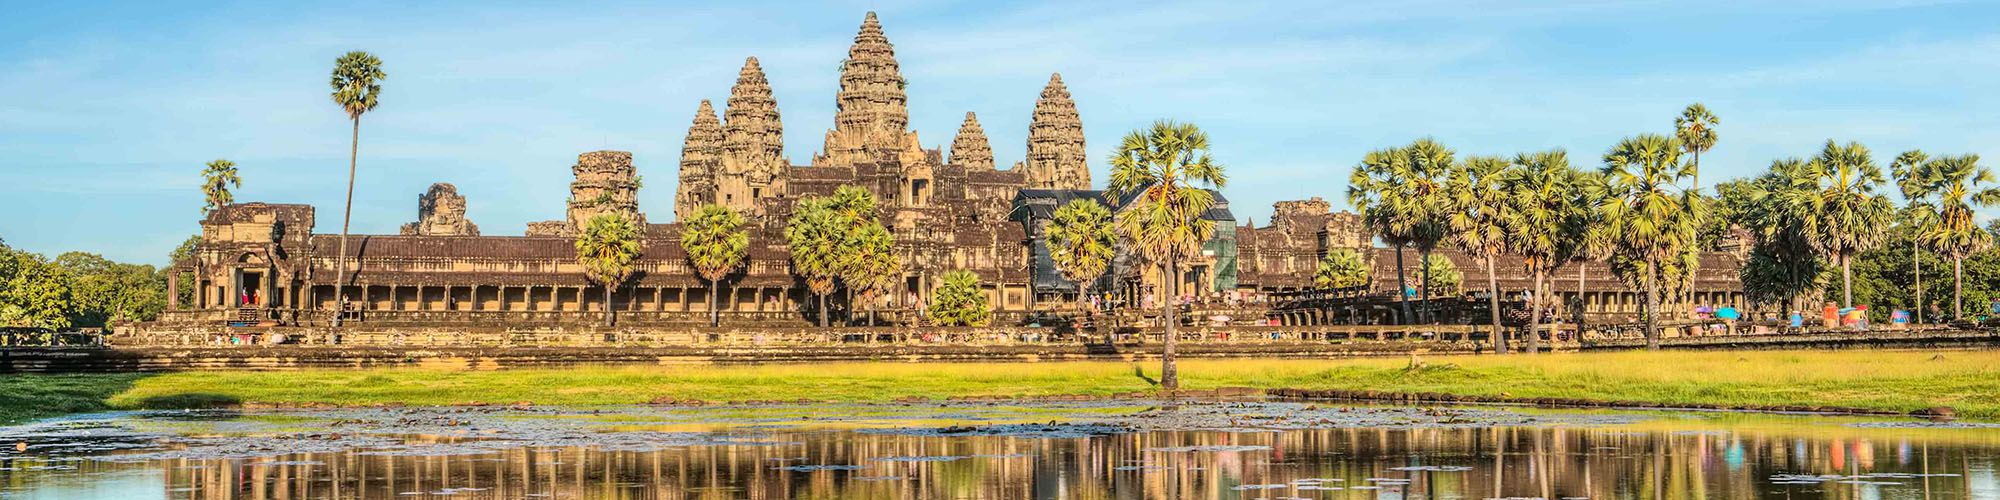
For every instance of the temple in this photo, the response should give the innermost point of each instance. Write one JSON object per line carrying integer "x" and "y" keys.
{"x": 262, "y": 263}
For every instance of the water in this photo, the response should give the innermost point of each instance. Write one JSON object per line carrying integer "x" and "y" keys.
{"x": 1117, "y": 449}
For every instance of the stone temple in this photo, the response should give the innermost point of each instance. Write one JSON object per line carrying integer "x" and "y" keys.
{"x": 949, "y": 209}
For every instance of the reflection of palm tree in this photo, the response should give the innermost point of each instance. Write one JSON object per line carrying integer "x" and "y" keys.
{"x": 1835, "y": 200}
{"x": 1163, "y": 168}
{"x": 1477, "y": 219}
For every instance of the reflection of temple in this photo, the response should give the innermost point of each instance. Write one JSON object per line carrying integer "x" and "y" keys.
{"x": 948, "y": 209}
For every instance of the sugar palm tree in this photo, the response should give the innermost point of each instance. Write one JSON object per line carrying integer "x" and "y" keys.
{"x": 1081, "y": 244}
{"x": 357, "y": 82}
{"x": 1342, "y": 268}
{"x": 1917, "y": 214}
{"x": 217, "y": 177}
{"x": 872, "y": 267}
{"x": 1430, "y": 169}
{"x": 1544, "y": 223}
{"x": 716, "y": 246}
{"x": 1644, "y": 211}
{"x": 1477, "y": 220}
{"x": 607, "y": 248}
{"x": 1835, "y": 200}
{"x": 1441, "y": 274}
{"x": 814, "y": 235}
{"x": 1164, "y": 168}
{"x": 1373, "y": 191}
{"x": 1961, "y": 186}
{"x": 1695, "y": 128}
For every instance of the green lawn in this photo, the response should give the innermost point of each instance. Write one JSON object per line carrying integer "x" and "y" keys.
{"x": 1968, "y": 381}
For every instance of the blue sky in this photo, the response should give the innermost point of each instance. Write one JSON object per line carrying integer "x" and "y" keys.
{"x": 110, "y": 108}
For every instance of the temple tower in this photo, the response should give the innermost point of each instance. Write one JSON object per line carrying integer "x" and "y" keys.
{"x": 441, "y": 212}
{"x": 752, "y": 165}
{"x": 873, "y": 108}
{"x": 701, "y": 156}
{"x": 604, "y": 184}
{"x": 1056, "y": 156}
{"x": 970, "y": 149}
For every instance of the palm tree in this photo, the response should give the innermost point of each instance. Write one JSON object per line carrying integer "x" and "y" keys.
{"x": 606, "y": 248}
{"x": 1695, "y": 128}
{"x": 1591, "y": 239}
{"x": 357, "y": 78}
{"x": 959, "y": 301}
{"x": 1644, "y": 211}
{"x": 1440, "y": 273}
{"x": 872, "y": 267}
{"x": 1545, "y": 222}
{"x": 216, "y": 180}
{"x": 1372, "y": 191}
{"x": 1834, "y": 199}
{"x": 814, "y": 235}
{"x": 716, "y": 245}
{"x": 1163, "y": 168}
{"x": 1430, "y": 164}
{"x": 1342, "y": 268}
{"x": 1081, "y": 244}
{"x": 1477, "y": 221}
{"x": 1961, "y": 186}
{"x": 1917, "y": 214}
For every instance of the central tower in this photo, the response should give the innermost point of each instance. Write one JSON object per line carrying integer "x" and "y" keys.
{"x": 873, "y": 110}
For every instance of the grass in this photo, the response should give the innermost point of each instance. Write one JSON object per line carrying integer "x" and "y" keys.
{"x": 1968, "y": 381}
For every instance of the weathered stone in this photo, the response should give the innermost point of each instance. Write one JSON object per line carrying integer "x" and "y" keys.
{"x": 1056, "y": 155}
{"x": 701, "y": 157}
{"x": 970, "y": 149}
{"x": 441, "y": 212}
{"x": 605, "y": 184}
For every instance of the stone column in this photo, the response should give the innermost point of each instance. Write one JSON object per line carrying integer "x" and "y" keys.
{"x": 173, "y": 289}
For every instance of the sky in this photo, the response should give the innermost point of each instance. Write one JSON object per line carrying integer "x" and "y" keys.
{"x": 109, "y": 109}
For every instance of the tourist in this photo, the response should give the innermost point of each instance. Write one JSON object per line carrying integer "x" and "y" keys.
{"x": 1829, "y": 316}
{"x": 1899, "y": 319}
{"x": 1798, "y": 321}
{"x": 1728, "y": 315}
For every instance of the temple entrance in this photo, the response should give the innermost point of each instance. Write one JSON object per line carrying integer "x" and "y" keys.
{"x": 250, "y": 289}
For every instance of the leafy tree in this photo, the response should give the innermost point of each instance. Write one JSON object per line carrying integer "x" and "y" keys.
{"x": 183, "y": 253}
{"x": 1400, "y": 194}
{"x": 217, "y": 178}
{"x": 1648, "y": 214}
{"x": 1782, "y": 267}
{"x": 1442, "y": 274}
{"x": 1960, "y": 186}
{"x": 814, "y": 235}
{"x": 607, "y": 248}
{"x": 1833, "y": 198}
{"x": 357, "y": 83}
{"x": 959, "y": 302}
{"x": 36, "y": 292}
{"x": 872, "y": 267}
{"x": 1917, "y": 213}
{"x": 1342, "y": 268}
{"x": 1545, "y": 222}
{"x": 1081, "y": 244}
{"x": 106, "y": 292}
{"x": 1165, "y": 167}
{"x": 716, "y": 245}
{"x": 1477, "y": 219}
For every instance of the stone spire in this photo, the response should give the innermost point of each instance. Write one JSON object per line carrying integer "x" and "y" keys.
{"x": 970, "y": 149}
{"x": 441, "y": 212}
{"x": 1056, "y": 156}
{"x": 701, "y": 156}
{"x": 871, "y": 85}
{"x": 751, "y": 126}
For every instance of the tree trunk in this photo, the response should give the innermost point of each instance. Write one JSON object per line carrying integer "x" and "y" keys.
{"x": 1535, "y": 314}
{"x": 1582, "y": 304}
{"x": 1652, "y": 311}
{"x": 346, "y": 216}
{"x": 608, "y": 319}
{"x": 1170, "y": 280}
{"x": 823, "y": 316}
{"x": 1917, "y": 264}
{"x": 714, "y": 316}
{"x": 1846, "y": 281}
{"x": 1423, "y": 264}
{"x": 1493, "y": 306}
{"x": 1957, "y": 288}
{"x": 1402, "y": 297}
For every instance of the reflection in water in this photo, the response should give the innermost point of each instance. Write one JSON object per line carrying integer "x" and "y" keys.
{"x": 1701, "y": 458}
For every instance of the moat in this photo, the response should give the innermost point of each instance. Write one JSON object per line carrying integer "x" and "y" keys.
{"x": 1086, "y": 449}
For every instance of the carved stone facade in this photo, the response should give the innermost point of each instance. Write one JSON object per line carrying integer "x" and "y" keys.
{"x": 701, "y": 158}
{"x": 1056, "y": 155}
{"x": 441, "y": 212}
{"x": 970, "y": 148}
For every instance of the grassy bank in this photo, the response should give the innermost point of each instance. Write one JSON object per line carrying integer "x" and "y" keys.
{"x": 1884, "y": 380}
